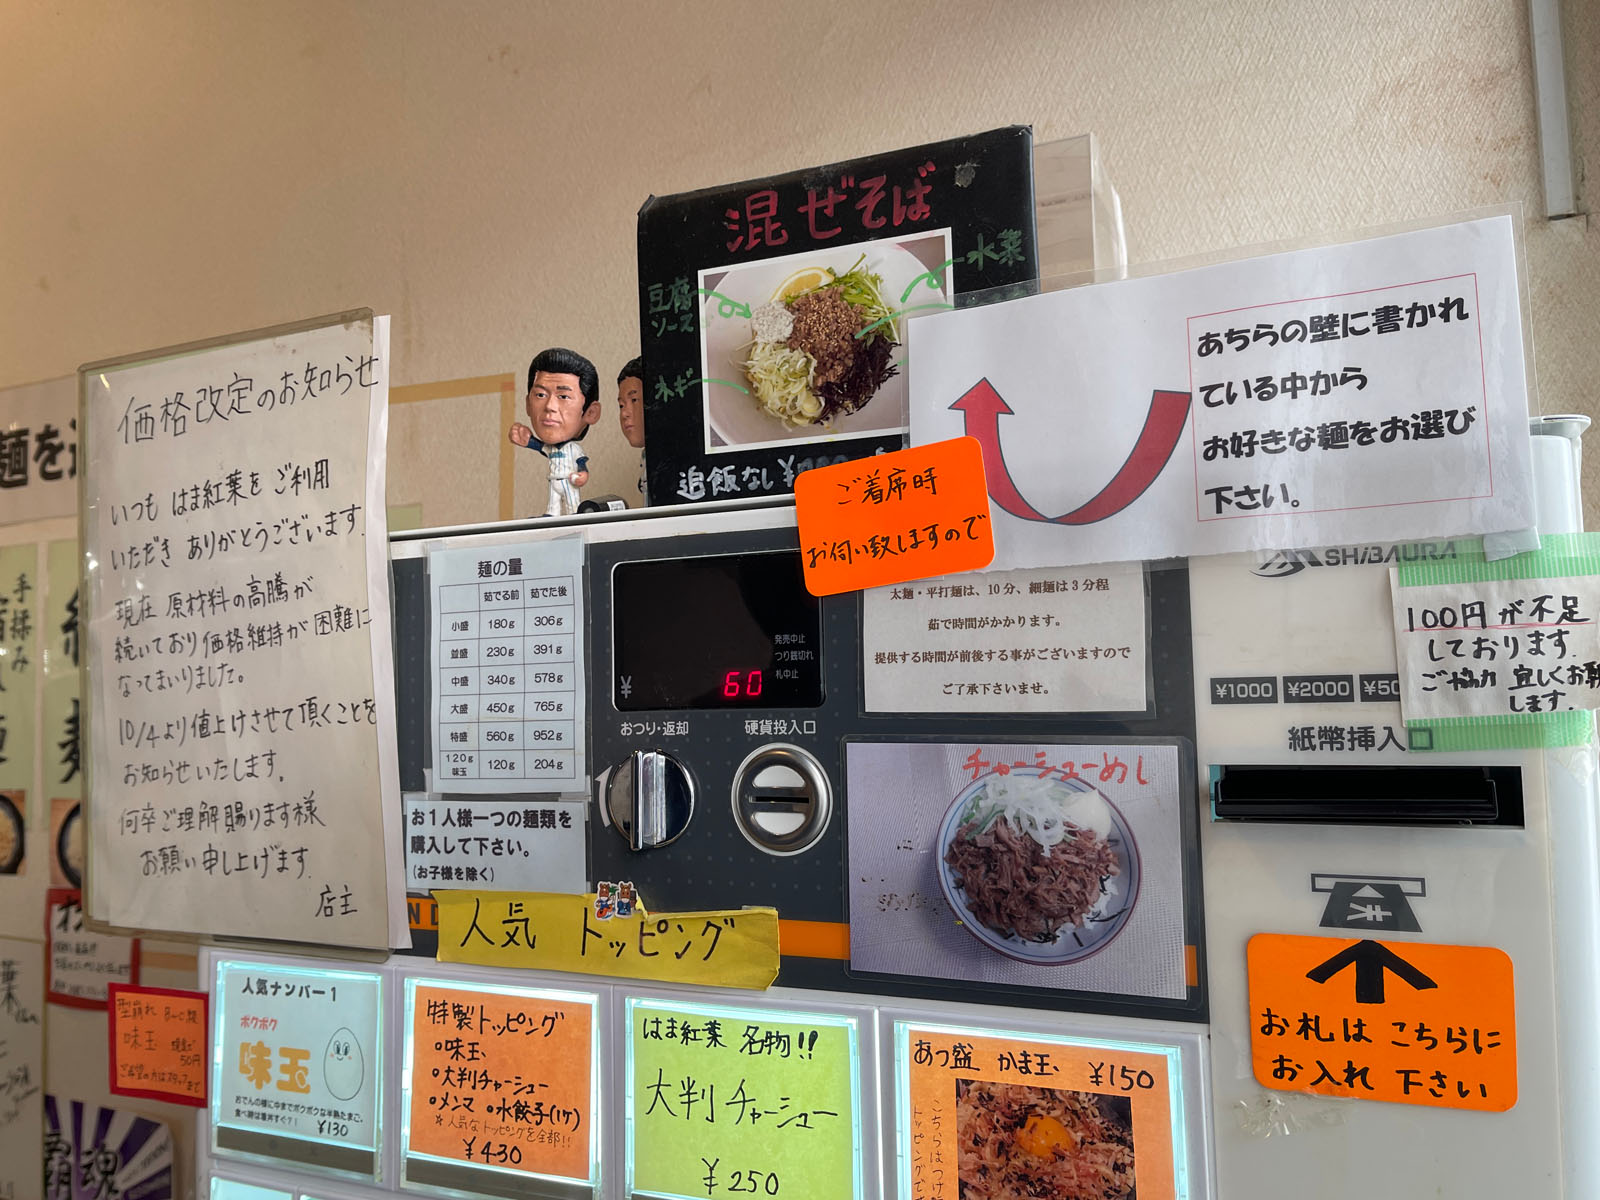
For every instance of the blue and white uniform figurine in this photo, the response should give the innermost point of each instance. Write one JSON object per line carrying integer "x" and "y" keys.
{"x": 567, "y": 463}
{"x": 563, "y": 401}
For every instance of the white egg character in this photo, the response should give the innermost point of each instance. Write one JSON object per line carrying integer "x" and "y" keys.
{"x": 343, "y": 1068}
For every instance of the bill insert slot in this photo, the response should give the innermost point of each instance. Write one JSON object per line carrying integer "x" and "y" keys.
{"x": 1368, "y": 795}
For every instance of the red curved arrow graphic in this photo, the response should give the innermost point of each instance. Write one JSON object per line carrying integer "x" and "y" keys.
{"x": 983, "y": 407}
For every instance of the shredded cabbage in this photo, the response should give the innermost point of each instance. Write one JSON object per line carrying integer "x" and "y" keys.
{"x": 781, "y": 380}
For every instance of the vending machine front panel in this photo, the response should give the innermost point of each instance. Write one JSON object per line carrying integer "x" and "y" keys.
{"x": 738, "y": 758}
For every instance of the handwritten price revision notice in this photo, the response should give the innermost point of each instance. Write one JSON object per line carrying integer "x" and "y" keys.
{"x": 240, "y": 694}
{"x": 499, "y": 1079}
{"x": 894, "y": 517}
{"x": 731, "y": 1101}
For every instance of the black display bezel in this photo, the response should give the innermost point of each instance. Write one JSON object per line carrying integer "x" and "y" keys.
{"x": 696, "y": 677}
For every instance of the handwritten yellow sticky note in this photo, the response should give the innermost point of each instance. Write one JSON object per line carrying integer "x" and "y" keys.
{"x": 552, "y": 931}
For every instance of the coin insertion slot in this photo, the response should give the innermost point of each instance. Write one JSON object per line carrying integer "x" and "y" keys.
{"x": 781, "y": 799}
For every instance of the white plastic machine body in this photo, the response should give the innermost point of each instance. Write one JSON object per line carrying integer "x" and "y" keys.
{"x": 1531, "y": 891}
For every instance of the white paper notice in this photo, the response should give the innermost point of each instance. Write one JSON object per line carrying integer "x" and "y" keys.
{"x": 1373, "y": 391}
{"x": 21, "y": 1068}
{"x": 318, "y": 1032}
{"x": 238, "y": 641}
{"x": 1038, "y": 640}
{"x": 1498, "y": 647}
{"x": 496, "y": 845}
{"x": 508, "y": 668}
{"x": 83, "y": 963}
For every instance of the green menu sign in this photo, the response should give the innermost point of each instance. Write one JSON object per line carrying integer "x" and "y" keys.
{"x": 742, "y": 1101}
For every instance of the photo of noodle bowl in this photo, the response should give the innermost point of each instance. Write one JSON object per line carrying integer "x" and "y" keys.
{"x": 1042, "y": 869}
{"x": 811, "y": 347}
{"x": 1018, "y": 1143}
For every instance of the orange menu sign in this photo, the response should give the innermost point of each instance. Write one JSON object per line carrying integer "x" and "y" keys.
{"x": 1039, "y": 1115}
{"x": 504, "y": 1078}
{"x": 1407, "y": 1022}
{"x": 893, "y": 517}
{"x": 158, "y": 1043}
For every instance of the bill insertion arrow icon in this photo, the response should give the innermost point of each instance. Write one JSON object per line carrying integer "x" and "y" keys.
{"x": 983, "y": 407}
{"x": 1371, "y": 960}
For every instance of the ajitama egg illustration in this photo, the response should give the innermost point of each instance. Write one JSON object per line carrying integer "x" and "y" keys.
{"x": 343, "y": 1067}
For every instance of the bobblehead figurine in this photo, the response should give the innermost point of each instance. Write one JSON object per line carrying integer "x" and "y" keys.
{"x": 630, "y": 409}
{"x": 563, "y": 401}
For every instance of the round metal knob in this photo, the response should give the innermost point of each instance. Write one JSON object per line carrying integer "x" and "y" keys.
{"x": 650, "y": 799}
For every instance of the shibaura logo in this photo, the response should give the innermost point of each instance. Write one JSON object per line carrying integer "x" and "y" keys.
{"x": 1281, "y": 564}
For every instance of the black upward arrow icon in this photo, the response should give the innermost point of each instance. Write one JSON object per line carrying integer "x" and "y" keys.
{"x": 1371, "y": 959}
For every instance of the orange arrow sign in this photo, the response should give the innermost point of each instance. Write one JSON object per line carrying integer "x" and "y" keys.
{"x": 1443, "y": 1033}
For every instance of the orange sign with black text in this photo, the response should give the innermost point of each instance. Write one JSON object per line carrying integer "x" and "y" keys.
{"x": 158, "y": 1043}
{"x": 504, "y": 1078}
{"x": 1017, "y": 1114}
{"x": 1406, "y": 1022}
{"x": 911, "y": 514}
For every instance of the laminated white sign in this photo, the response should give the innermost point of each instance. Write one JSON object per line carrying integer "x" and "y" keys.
{"x": 1371, "y": 391}
{"x": 500, "y": 843}
{"x": 241, "y": 732}
{"x": 1047, "y": 639}
{"x": 508, "y": 668}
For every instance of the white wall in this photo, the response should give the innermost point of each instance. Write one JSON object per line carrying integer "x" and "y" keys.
{"x": 180, "y": 169}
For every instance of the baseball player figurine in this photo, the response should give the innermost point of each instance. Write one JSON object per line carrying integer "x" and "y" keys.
{"x": 630, "y": 411}
{"x": 563, "y": 401}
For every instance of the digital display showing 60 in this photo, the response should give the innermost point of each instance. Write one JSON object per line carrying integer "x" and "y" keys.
{"x": 724, "y": 631}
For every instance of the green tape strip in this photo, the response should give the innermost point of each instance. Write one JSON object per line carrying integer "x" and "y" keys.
{"x": 1559, "y": 555}
{"x": 1514, "y": 731}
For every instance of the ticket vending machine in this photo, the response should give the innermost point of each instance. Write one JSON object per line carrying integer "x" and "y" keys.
{"x": 975, "y": 1000}
{"x": 1329, "y": 822}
